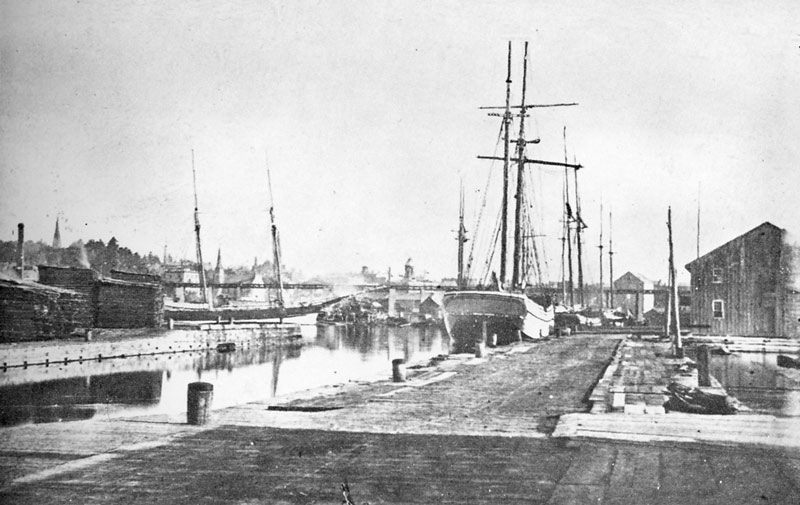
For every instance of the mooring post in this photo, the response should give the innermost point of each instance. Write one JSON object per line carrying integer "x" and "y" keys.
{"x": 198, "y": 402}
{"x": 703, "y": 377}
{"x": 399, "y": 370}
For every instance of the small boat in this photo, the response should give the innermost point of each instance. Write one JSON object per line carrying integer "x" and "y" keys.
{"x": 721, "y": 350}
{"x": 226, "y": 347}
{"x": 785, "y": 361}
{"x": 695, "y": 401}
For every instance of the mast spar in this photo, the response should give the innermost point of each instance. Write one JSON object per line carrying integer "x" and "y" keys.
{"x": 462, "y": 237}
{"x": 601, "y": 257}
{"x": 520, "y": 170}
{"x": 506, "y": 162}
{"x": 580, "y": 225}
{"x": 610, "y": 265}
{"x": 521, "y": 160}
{"x": 568, "y": 219}
{"x": 200, "y": 267}
{"x": 276, "y": 245}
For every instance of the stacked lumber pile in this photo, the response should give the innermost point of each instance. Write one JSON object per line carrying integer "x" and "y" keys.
{"x": 75, "y": 279}
{"x": 126, "y": 304}
{"x": 31, "y": 311}
{"x": 135, "y": 277}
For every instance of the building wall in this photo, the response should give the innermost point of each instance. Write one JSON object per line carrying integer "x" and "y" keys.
{"x": 745, "y": 275}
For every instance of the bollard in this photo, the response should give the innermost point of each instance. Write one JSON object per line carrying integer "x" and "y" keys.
{"x": 703, "y": 377}
{"x": 171, "y": 324}
{"x": 480, "y": 349}
{"x": 399, "y": 370}
{"x": 198, "y": 402}
{"x": 89, "y": 335}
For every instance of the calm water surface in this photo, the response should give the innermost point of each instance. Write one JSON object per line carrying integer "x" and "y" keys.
{"x": 157, "y": 384}
{"x": 757, "y": 381}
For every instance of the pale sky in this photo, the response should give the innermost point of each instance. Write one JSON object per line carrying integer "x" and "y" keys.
{"x": 368, "y": 115}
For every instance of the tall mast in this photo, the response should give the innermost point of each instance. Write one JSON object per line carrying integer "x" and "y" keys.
{"x": 276, "y": 244}
{"x": 506, "y": 162}
{"x": 698, "y": 220}
{"x": 521, "y": 160}
{"x": 462, "y": 237}
{"x": 520, "y": 179}
{"x": 602, "y": 302}
{"x": 580, "y": 225}
{"x": 610, "y": 265}
{"x": 200, "y": 267}
{"x": 567, "y": 221}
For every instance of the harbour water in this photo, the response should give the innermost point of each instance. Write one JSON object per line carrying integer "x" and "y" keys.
{"x": 151, "y": 385}
{"x": 756, "y": 380}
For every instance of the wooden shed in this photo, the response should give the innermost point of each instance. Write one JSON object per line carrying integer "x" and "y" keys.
{"x": 748, "y": 286}
{"x": 634, "y": 293}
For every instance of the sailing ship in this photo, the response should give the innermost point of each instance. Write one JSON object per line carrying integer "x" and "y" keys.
{"x": 502, "y": 316}
{"x": 275, "y": 311}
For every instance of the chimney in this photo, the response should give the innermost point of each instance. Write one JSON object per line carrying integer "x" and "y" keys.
{"x": 21, "y": 250}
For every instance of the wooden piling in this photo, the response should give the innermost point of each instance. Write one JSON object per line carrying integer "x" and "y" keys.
{"x": 703, "y": 377}
{"x": 398, "y": 370}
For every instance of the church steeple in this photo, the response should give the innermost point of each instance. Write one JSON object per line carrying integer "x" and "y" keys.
{"x": 219, "y": 271}
{"x": 57, "y": 237}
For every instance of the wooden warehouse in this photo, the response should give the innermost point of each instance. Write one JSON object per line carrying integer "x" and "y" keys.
{"x": 748, "y": 286}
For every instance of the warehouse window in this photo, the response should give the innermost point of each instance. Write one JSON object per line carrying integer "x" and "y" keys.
{"x": 716, "y": 275}
{"x": 718, "y": 308}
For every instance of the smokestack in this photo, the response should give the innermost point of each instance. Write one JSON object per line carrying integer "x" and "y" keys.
{"x": 21, "y": 250}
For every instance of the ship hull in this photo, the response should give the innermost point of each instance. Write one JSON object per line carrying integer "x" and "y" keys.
{"x": 471, "y": 317}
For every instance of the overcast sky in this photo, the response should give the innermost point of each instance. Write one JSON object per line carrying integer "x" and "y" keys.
{"x": 367, "y": 114}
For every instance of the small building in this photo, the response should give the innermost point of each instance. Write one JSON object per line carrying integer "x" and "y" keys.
{"x": 635, "y": 294}
{"x": 748, "y": 286}
{"x": 431, "y": 307}
{"x": 176, "y": 275}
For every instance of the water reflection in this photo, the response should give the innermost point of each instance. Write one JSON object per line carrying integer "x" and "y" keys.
{"x": 71, "y": 399}
{"x": 757, "y": 381}
{"x": 157, "y": 384}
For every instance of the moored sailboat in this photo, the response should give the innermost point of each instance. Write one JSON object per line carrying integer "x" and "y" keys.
{"x": 502, "y": 317}
{"x": 275, "y": 310}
